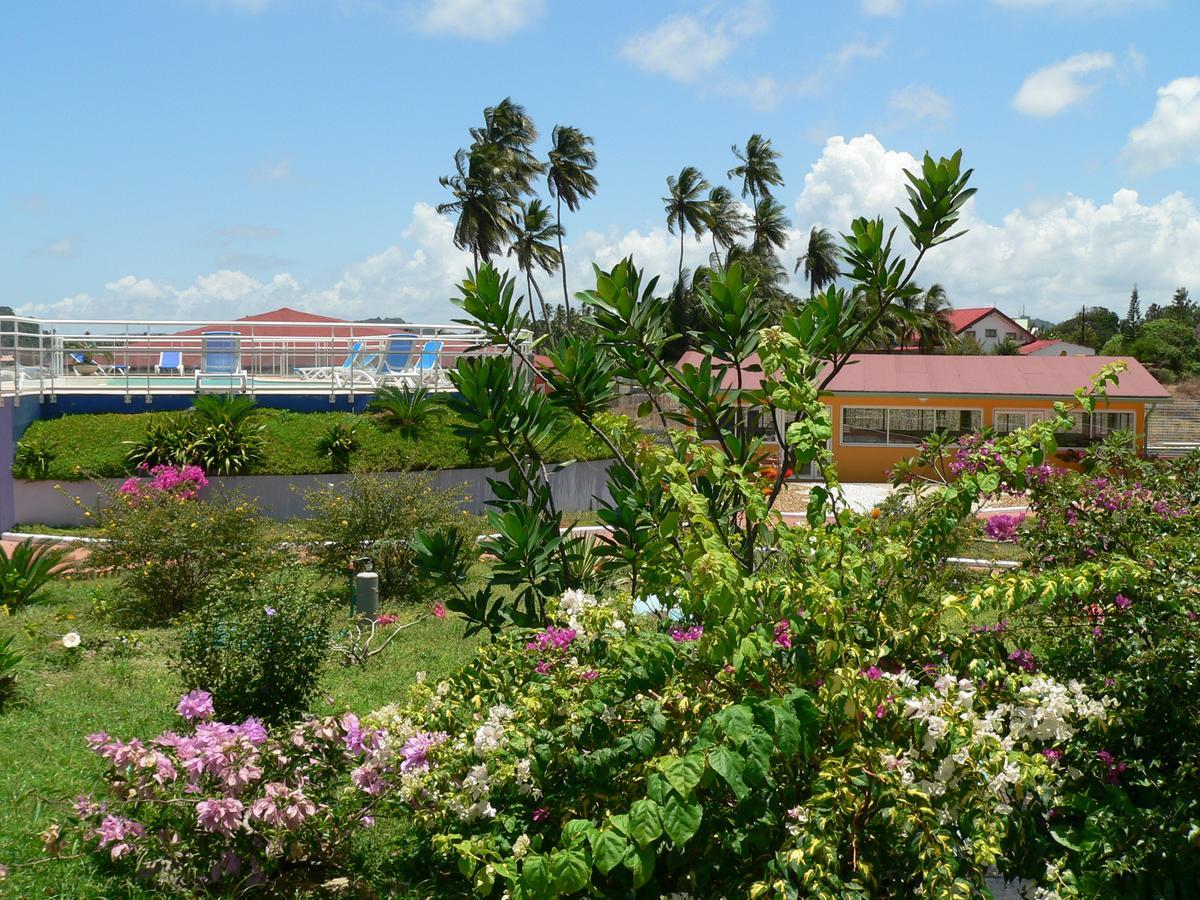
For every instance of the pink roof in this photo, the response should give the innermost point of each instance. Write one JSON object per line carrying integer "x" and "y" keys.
{"x": 945, "y": 375}
{"x": 966, "y": 317}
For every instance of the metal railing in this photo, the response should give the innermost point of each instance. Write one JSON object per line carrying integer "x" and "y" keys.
{"x": 116, "y": 356}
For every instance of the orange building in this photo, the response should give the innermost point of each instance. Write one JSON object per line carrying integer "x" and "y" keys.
{"x": 884, "y": 405}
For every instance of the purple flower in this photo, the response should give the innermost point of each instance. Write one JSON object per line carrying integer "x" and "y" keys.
{"x": 1113, "y": 768}
{"x": 1122, "y": 601}
{"x": 541, "y": 814}
{"x": 119, "y": 833}
{"x": 416, "y": 749}
{"x": 221, "y": 816}
{"x": 543, "y": 667}
{"x": 688, "y": 635}
{"x": 874, "y": 673}
{"x": 1052, "y": 754}
{"x": 783, "y": 634}
{"x": 269, "y": 610}
{"x": 1024, "y": 660}
{"x": 556, "y": 638}
{"x": 1003, "y": 527}
{"x": 590, "y": 675}
{"x": 196, "y": 706}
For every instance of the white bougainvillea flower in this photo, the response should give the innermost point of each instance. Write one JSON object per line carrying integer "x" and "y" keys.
{"x": 71, "y": 640}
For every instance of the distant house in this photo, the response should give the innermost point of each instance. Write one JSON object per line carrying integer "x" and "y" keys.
{"x": 1053, "y": 347}
{"x": 988, "y": 326}
{"x": 884, "y": 405}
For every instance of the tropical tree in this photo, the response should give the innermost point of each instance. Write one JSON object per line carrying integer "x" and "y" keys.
{"x": 570, "y": 180}
{"x": 933, "y": 327}
{"x": 1133, "y": 317}
{"x": 510, "y": 133}
{"x": 820, "y": 260}
{"x": 483, "y": 201}
{"x": 770, "y": 226}
{"x": 686, "y": 206}
{"x": 533, "y": 246}
{"x": 758, "y": 168}
{"x": 725, "y": 220}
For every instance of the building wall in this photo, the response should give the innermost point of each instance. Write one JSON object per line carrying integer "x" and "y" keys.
{"x": 870, "y": 463}
{"x": 1063, "y": 348}
{"x": 1002, "y": 328}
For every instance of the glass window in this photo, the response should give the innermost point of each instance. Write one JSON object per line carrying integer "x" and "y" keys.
{"x": 904, "y": 427}
{"x": 990, "y": 332}
{"x": 1011, "y": 335}
{"x": 1010, "y": 421}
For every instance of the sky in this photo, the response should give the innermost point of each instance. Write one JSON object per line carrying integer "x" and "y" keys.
{"x": 204, "y": 159}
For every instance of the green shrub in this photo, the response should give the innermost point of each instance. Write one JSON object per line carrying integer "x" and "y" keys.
{"x": 404, "y": 408}
{"x": 28, "y": 569}
{"x": 338, "y": 443}
{"x": 259, "y": 651}
{"x": 11, "y": 662}
{"x": 32, "y": 457}
{"x": 169, "y": 552}
{"x": 376, "y": 516}
{"x": 167, "y": 441}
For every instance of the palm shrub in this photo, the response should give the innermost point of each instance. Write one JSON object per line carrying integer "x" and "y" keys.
{"x": 167, "y": 441}
{"x": 377, "y": 516}
{"x": 27, "y": 569}
{"x": 32, "y": 457}
{"x": 11, "y": 662}
{"x": 404, "y": 408}
{"x": 338, "y": 443}
{"x": 228, "y": 441}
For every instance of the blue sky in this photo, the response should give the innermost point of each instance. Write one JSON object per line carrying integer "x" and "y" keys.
{"x": 207, "y": 158}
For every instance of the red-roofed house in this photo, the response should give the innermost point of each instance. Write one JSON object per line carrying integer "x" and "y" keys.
{"x": 884, "y": 405}
{"x": 988, "y": 326}
{"x": 1054, "y": 347}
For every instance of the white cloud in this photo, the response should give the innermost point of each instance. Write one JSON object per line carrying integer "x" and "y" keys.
{"x": 859, "y": 48}
{"x": 685, "y": 47}
{"x": 134, "y": 289}
{"x": 65, "y": 248}
{"x": 1048, "y": 259}
{"x": 32, "y": 203}
{"x": 479, "y": 20}
{"x": 1051, "y": 90}
{"x": 920, "y": 101}
{"x": 278, "y": 170}
{"x": 882, "y": 7}
{"x": 1171, "y": 135}
{"x": 242, "y": 6}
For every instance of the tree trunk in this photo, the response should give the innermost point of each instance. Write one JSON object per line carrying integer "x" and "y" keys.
{"x": 542, "y": 301}
{"x": 562, "y": 266}
{"x": 529, "y": 296}
{"x": 475, "y": 256}
{"x": 682, "y": 229}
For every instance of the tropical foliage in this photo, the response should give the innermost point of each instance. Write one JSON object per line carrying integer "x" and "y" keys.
{"x": 27, "y": 569}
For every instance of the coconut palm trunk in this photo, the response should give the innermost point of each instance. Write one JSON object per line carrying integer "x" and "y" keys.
{"x": 562, "y": 266}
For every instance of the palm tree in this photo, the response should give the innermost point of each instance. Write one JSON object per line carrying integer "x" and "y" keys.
{"x": 759, "y": 168}
{"x": 483, "y": 202}
{"x": 509, "y": 130}
{"x": 724, "y": 219}
{"x": 533, "y": 246}
{"x": 570, "y": 180}
{"x": 934, "y": 328}
{"x": 770, "y": 226}
{"x": 820, "y": 260}
{"x": 685, "y": 206}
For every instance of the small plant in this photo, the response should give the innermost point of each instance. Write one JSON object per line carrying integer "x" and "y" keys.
{"x": 11, "y": 662}
{"x": 28, "y": 569}
{"x": 32, "y": 458}
{"x": 367, "y": 638}
{"x": 259, "y": 653}
{"x": 378, "y": 516}
{"x": 337, "y": 444}
{"x": 229, "y": 440}
{"x": 170, "y": 551}
{"x": 167, "y": 442}
{"x": 404, "y": 408}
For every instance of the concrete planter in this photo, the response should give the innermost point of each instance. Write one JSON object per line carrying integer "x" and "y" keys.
{"x": 576, "y": 487}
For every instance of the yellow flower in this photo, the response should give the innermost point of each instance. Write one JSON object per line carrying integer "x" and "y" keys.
{"x": 193, "y": 525}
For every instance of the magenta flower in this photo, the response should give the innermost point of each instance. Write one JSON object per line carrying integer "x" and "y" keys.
{"x": 1052, "y": 754}
{"x": 196, "y": 706}
{"x": 874, "y": 673}
{"x": 556, "y": 638}
{"x": 686, "y": 636}
{"x": 221, "y": 816}
{"x": 1003, "y": 527}
{"x": 119, "y": 834}
{"x": 1113, "y": 768}
{"x": 439, "y": 610}
{"x": 590, "y": 675}
{"x": 1122, "y": 602}
{"x": 541, "y": 814}
{"x": 1024, "y": 660}
{"x": 416, "y": 749}
{"x": 783, "y": 634}
{"x": 387, "y": 619}
{"x": 543, "y": 667}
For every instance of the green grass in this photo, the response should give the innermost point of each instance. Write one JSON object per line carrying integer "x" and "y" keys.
{"x": 94, "y": 446}
{"x": 45, "y": 763}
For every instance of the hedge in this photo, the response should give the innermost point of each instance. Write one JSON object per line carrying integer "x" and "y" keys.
{"x": 94, "y": 446}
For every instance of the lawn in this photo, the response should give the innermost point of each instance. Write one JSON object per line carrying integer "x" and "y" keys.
{"x": 121, "y": 682}
{"x": 94, "y": 446}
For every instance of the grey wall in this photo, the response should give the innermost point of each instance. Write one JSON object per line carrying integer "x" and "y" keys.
{"x": 577, "y": 487}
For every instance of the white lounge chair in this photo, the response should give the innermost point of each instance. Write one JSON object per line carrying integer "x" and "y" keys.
{"x": 350, "y": 369}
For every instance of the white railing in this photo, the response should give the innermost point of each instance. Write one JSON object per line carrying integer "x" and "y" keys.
{"x": 116, "y": 356}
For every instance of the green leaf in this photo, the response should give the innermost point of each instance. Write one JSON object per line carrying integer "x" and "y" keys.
{"x": 536, "y": 877}
{"x": 729, "y": 766}
{"x": 683, "y": 773}
{"x": 608, "y": 849}
{"x": 736, "y": 722}
{"x": 645, "y": 827}
{"x": 681, "y": 819}
{"x": 571, "y": 871}
{"x": 640, "y": 861}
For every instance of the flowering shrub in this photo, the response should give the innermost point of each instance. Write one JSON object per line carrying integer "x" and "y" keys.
{"x": 216, "y": 805}
{"x": 170, "y": 549}
{"x": 259, "y": 653}
{"x": 1003, "y": 526}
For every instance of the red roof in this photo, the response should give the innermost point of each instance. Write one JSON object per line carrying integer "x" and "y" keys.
{"x": 965, "y": 318}
{"x": 1039, "y": 344}
{"x": 945, "y": 375}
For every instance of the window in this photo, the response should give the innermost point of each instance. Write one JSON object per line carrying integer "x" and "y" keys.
{"x": 903, "y": 427}
{"x": 1010, "y": 335}
{"x": 989, "y": 332}
{"x": 1086, "y": 428}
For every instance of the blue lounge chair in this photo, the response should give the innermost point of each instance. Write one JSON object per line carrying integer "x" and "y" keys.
{"x": 427, "y": 369}
{"x": 221, "y": 355}
{"x": 79, "y": 359}
{"x": 394, "y": 362}
{"x": 351, "y": 367}
{"x": 169, "y": 359}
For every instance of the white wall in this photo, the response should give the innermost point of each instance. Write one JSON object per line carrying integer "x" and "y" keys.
{"x": 1001, "y": 327}
{"x": 1063, "y": 348}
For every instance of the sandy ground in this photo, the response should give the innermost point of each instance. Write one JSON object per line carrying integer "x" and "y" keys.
{"x": 862, "y": 497}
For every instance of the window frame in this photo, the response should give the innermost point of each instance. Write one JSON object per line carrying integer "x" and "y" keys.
{"x": 1086, "y": 427}
{"x": 842, "y": 442}
{"x": 992, "y": 333}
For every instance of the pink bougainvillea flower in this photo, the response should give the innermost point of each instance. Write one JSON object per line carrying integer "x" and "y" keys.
{"x": 541, "y": 814}
{"x": 196, "y": 706}
{"x": 684, "y": 636}
{"x": 1122, "y": 602}
{"x": 439, "y": 610}
{"x": 873, "y": 673}
{"x": 783, "y": 634}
